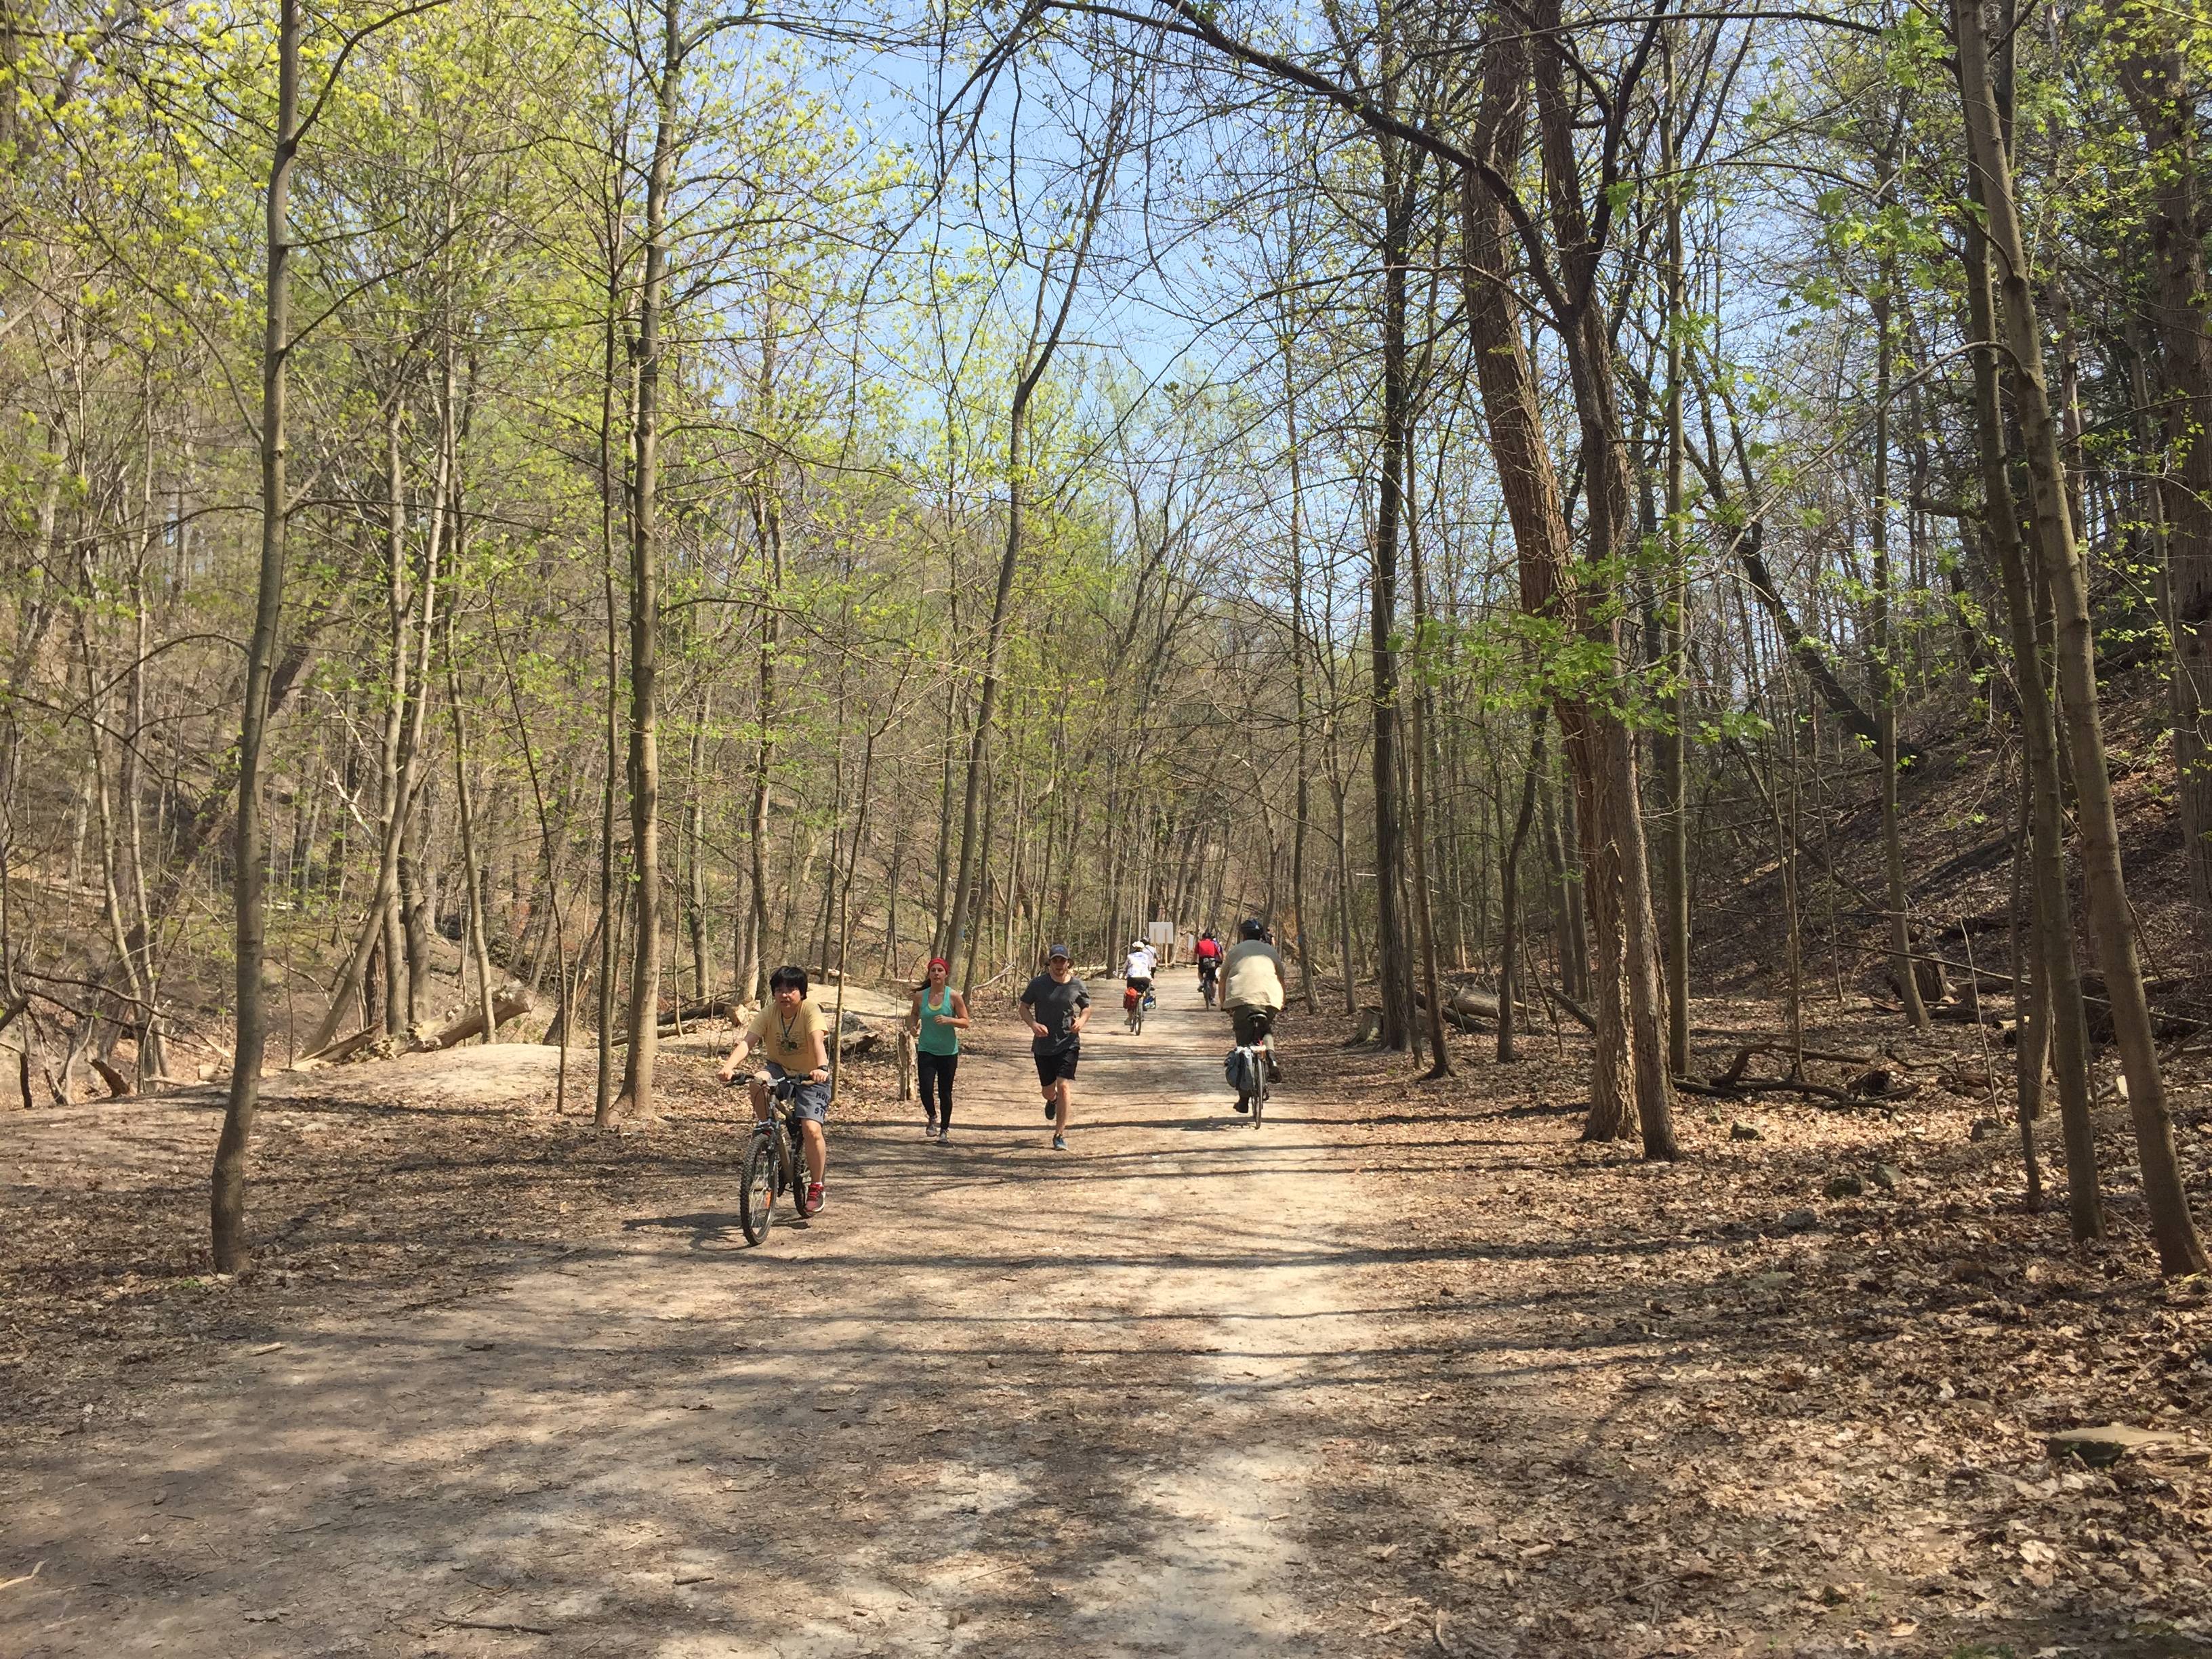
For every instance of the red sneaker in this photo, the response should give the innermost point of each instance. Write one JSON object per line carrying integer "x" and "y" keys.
{"x": 814, "y": 1199}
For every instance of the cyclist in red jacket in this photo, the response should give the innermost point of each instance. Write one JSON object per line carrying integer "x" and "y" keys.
{"x": 1209, "y": 964}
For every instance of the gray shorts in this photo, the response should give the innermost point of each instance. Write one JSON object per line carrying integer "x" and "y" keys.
{"x": 810, "y": 1101}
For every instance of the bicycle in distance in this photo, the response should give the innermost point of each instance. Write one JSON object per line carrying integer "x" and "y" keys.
{"x": 776, "y": 1162}
{"x": 1143, "y": 962}
{"x": 1135, "y": 1001}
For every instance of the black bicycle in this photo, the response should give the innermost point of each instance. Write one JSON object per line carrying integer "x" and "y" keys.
{"x": 1207, "y": 977}
{"x": 1253, "y": 1063}
{"x": 775, "y": 1162}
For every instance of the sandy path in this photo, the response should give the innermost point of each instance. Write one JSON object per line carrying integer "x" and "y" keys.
{"x": 996, "y": 1401}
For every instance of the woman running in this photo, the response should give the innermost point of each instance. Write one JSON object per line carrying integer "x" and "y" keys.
{"x": 940, "y": 1014}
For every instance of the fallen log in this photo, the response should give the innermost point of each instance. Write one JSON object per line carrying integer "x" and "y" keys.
{"x": 692, "y": 1012}
{"x": 1762, "y": 1085}
{"x": 510, "y": 1001}
{"x": 1470, "y": 1003}
{"x": 1781, "y": 1046}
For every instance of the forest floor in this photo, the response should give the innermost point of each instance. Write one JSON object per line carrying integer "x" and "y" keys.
{"x": 1409, "y": 1371}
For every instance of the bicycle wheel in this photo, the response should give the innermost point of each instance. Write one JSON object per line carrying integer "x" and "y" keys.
{"x": 1260, "y": 1091}
{"x": 1137, "y": 1021}
{"x": 757, "y": 1198}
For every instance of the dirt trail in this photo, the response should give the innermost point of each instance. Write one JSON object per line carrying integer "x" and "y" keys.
{"x": 996, "y": 1401}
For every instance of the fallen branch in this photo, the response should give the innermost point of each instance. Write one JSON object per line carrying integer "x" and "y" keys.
{"x": 1468, "y": 1005}
{"x": 486, "y": 1624}
{"x": 1580, "y": 1016}
{"x": 511, "y": 1001}
{"x": 10, "y": 1583}
{"x": 1718, "y": 1090}
{"x": 692, "y": 1012}
{"x": 1781, "y": 1046}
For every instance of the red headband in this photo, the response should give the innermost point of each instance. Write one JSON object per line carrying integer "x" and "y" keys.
{"x": 940, "y": 961}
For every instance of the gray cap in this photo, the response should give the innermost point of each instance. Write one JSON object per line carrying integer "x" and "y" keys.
{"x": 1060, "y": 950}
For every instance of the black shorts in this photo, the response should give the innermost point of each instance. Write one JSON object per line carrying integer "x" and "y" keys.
{"x": 1140, "y": 986}
{"x": 1057, "y": 1063}
{"x": 1250, "y": 1024}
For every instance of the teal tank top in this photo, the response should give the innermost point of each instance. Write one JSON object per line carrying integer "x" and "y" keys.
{"x": 937, "y": 1039}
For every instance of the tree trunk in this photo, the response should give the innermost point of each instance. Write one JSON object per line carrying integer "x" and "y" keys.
{"x": 695, "y": 811}
{"x": 1901, "y": 965}
{"x": 227, "y": 1196}
{"x": 1394, "y": 947}
{"x": 1509, "y": 962}
{"x": 385, "y": 900}
{"x": 1417, "y": 753}
{"x": 2180, "y": 1250}
{"x": 398, "y": 997}
{"x": 1346, "y": 943}
{"x": 1673, "y": 737}
{"x": 768, "y": 518}
{"x": 479, "y": 924}
{"x": 2054, "y": 1005}
{"x": 1304, "y": 798}
{"x": 2155, "y": 80}
{"x": 645, "y": 588}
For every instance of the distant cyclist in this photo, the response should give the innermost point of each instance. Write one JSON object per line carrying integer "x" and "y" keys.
{"x": 1209, "y": 964}
{"x": 1138, "y": 971}
{"x": 794, "y": 1040}
{"x": 1252, "y": 991}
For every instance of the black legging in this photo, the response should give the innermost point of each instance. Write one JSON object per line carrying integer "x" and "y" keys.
{"x": 937, "y": 1072}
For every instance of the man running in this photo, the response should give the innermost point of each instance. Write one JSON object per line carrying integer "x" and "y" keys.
{"x": 1057, "y": 1007}
{"x": 1252, "y": 991}
{"x": 794, "y": 1040}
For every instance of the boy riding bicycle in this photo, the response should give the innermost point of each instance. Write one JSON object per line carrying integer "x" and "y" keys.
{"x": 793, "y": 1042}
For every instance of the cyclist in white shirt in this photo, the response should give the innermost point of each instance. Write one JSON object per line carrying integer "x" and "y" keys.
{"x": 1141, "y": 965}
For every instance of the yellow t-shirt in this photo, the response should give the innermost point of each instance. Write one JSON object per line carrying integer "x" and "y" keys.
{"x": 788, "y": 1042}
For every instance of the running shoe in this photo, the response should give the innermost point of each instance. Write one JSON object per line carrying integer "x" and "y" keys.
{"x": 929, "y": 1130}
{"x": 815, "y": 1198}
{"x": 1051, "y": 1110}
{"x": 944, "y": 1135}
{"x": 1060, "y": 1143}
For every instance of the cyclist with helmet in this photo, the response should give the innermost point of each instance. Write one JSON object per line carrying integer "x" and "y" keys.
{"x": 1138, "y": 971}
{"x": 1252, "y": 990}
{"x": 1208, "y": 953}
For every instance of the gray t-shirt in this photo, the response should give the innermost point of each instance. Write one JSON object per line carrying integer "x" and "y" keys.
{"x": 1053, "y": 1006}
